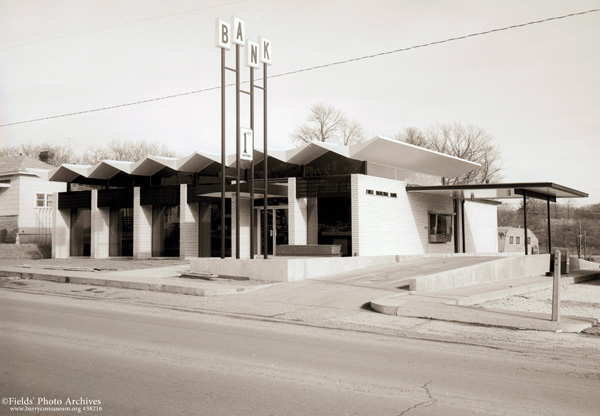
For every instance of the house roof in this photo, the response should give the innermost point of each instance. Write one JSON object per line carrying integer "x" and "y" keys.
{"x": 16, "y": 164}
{"x": 379, "y": 150}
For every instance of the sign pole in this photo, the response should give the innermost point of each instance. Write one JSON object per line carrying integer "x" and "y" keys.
{"x": 223, "y": 153}
{"x": 266, "y": 172}
{"x": 252, "y": 164}
{"x": 556, "y": 288}
{"x": 237, "y": 151}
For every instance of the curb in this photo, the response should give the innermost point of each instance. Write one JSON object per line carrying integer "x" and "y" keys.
{"x": 123, "y": 284}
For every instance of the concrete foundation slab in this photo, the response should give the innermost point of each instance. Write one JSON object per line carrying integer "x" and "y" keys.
{"x": 283, "y": 269}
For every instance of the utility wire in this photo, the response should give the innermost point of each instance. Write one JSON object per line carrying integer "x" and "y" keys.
{"x": 312, "y": 68}
{"x": 123, "y": 24}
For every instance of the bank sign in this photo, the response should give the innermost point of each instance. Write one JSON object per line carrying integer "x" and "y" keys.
{"x": 234, "y": 33}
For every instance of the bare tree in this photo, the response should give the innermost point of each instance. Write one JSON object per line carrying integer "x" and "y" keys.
{"x": 351, "y": 132}
{"x": 413, "y": 136}
{"x": 131, "y": 151}
{"x": 326, "y": 123}
{"x": 62, "y": 154}
{"x": 466, "y": 142}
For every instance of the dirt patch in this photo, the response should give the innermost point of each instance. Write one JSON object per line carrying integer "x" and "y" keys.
{"x": 582, "y": 300}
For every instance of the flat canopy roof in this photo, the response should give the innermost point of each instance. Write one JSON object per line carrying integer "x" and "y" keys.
{"x": 541, "y": 190}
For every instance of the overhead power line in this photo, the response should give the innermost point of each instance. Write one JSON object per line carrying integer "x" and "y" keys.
{"x": 312, "y": 68}
{"x": 122, "y": 24}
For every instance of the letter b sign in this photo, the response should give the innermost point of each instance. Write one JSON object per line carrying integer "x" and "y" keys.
{"x": 223, "y": 34}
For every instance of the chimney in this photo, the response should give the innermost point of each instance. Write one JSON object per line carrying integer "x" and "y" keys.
{"x": 47, "y": 157}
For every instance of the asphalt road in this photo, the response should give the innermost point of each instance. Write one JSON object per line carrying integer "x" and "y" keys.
{"x": 144, "y": 361}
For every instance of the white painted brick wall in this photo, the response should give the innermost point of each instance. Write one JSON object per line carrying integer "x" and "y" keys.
{"x": 61, "y": 231}
{"x": 481, "y": 227}
{"x": 142, "y": 227}
{"x": 188, "y": 223}
{"x": 244, "y": 228}
{"x": 383, "y": 225}
{"x": 100, "y": 222}
{"x": 297, "y": 216}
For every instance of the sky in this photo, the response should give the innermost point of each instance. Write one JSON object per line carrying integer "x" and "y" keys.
{"x": 535, "y": 89}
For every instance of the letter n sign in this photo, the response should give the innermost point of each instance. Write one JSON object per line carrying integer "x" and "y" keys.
{"x": 252, "y": 54}
{"x": 223, "y": 34}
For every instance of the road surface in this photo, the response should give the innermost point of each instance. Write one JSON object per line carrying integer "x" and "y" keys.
{"x": 139, "y": 360}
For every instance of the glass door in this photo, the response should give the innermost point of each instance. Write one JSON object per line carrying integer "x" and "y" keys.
{"x": 277, "y": 229}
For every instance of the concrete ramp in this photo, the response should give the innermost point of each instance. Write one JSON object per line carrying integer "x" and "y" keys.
{"x": 498, "y": 269}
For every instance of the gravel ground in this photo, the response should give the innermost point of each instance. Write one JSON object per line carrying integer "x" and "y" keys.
{"x": 582, "y": 299}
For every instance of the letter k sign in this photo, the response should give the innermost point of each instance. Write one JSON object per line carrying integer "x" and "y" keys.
{"x": 264, "y": 50}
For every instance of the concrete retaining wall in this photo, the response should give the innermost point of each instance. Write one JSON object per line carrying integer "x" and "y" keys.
{"x": 504, "y": 268}
{"x": 277, "y": 269}
{"x": 575, "y": 263}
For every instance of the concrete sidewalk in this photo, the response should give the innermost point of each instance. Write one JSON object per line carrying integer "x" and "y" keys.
{"x": 156, "y": 279}
{"x": 445, "y": 305}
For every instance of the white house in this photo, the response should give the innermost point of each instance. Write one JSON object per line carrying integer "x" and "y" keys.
{"x": 26, "y": 198}
{"x": 512, "y": 240}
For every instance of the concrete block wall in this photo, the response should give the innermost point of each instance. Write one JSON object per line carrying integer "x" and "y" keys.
{"x": 297, "y": 216}
{"x": 481, "y": 227}
{"x": 61, "y": 231}
{"x": 100, "y": 222}
{"x": 142, "y": 227}
{"x": 244, "y": 228}
{"x": 188, "y": 226}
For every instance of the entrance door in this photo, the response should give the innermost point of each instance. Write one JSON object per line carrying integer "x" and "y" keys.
{"x": 277, "y": 229}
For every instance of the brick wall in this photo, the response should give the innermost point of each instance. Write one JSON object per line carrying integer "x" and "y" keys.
{"x": 142, "y": 227}
{"x": 188, "y": 223}
{"x": 244, "y": 228}
{"x": 100, "y": 219}
{"x": 61, "y": 231}
{"x": 297, "y": 216}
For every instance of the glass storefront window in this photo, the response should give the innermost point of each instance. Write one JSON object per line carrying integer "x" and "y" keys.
{"x": 121, "y": 232}
{"x": 81, "y": 231}
{"x": 165, "y": 231}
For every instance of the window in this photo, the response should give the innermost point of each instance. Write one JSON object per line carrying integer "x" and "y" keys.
{"x": 518, "y": 240}
{"x": 440, "y": 227}
{"x": 41, "y": 200}
{"x": 512, "y": 240}
{"x": 528, "y": 240}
